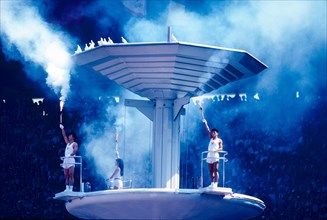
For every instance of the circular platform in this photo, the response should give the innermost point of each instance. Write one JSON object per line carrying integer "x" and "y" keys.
{"x": 156, "y": 203}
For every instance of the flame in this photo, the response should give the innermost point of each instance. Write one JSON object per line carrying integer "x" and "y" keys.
{"x": 62, "y": 102}
{"x": 200, "y": 104}
{"x": 116, "y": 138}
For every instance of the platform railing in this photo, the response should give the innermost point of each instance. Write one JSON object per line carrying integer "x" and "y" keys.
{"x": 222, "y": 157}
{"x": 80, "y": 162}
{"x": 127, "y": 184}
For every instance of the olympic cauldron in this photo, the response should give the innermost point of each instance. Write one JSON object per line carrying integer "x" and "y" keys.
{"x": 168, "y": 74}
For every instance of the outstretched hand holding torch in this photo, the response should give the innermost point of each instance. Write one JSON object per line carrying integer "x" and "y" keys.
{"x": 204, "y": 120}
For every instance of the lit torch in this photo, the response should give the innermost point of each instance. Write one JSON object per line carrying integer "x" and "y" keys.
{"x": 116, "y": 139}
{"x": 201, "y": 108}
{"x": 62, "y": 102}
{"x": 200, "y": 104}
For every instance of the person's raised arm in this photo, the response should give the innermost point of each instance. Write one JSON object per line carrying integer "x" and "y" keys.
{"x": 117, "y": 154}
{"x": 63, "y": 133}
{"x": 205, "y": 122}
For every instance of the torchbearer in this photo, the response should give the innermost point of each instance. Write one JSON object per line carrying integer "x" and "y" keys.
{"x": 117, "y": 175}
{"x": 69, "y": 160}
{"x": 215, "y": 145}
{"x": 116, "y": 179}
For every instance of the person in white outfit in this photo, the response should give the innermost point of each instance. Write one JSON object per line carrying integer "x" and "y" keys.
{"x": 69, "y": 160}
{"x": 118, "y": 174}
{"x": 215, "y": 145}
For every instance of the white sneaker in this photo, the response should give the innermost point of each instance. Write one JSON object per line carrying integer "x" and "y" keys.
{"x": 215, "y": 185}
{"x": 67, "y": 189}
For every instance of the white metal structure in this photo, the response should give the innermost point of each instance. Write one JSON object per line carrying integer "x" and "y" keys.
{"x": 168, "y": 74}
{"x": 155, "y": 203}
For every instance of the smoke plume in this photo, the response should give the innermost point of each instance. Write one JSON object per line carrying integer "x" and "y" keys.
{"x": 37, "y": 42}
{"x": 134, "y": 139}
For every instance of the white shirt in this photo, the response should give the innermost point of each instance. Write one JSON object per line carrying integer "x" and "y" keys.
{"x": 117, "y": 181}
{"x": 117, "y": 175}
{"x": 69, "y": 161}
{"x": 213, "y": 146}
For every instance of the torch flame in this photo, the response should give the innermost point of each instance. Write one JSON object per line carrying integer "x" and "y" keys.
{"x": 62, "y": 102}
{"x": 200, "y": 104}
{"x": 116, "y": 138}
